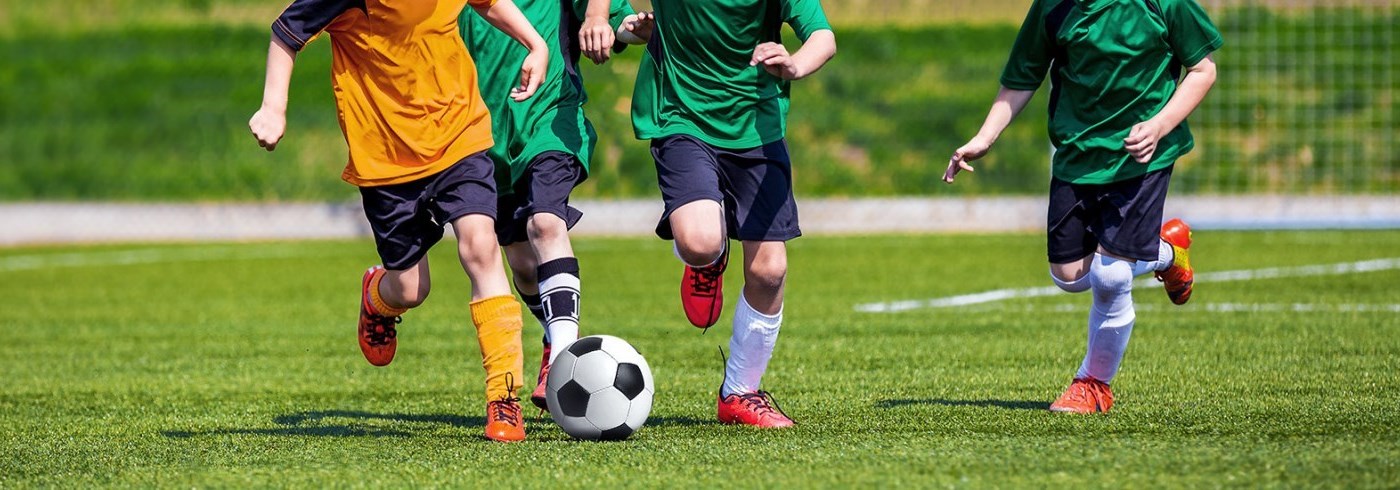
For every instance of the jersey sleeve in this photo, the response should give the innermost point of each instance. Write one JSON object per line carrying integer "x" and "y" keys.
{"x": 303, "y": 20}
{"x": 1190, "y": 32}
{"x": 805, "y": 17}
{"x": 1031, "y": 54}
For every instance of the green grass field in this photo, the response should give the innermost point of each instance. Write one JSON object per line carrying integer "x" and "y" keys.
{"x": 234, "y": 365}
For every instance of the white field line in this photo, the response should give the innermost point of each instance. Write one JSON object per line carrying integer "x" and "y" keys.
{"x": 140, "y": 256}
{"x": 1223, "y": 276}
{"x": 1221, "y": 308}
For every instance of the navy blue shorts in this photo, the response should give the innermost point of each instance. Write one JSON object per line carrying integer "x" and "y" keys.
{"x": 544, "y": 187}
{"x": 408, "y": 218}
{"x": 754, "y": 185}
{"x": 1124, "y": 217}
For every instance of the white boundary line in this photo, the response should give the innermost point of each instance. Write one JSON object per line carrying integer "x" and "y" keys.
{"x": 140, "y": 256}
{"x": 1223, "y": 276}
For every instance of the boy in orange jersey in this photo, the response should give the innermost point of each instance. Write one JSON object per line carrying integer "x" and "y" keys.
{"x": 407, "y": 98}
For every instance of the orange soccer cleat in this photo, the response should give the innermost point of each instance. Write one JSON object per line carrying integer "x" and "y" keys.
{"x": 1084, "y": 395}
{"x": 702, "y": 292}
{"x": 378, "y": 333}
{"x": 1177, "y": 278}
{"x": 504, "y": 422}
{"x": 756, "y": 409}
{"x": 538, "y": 397}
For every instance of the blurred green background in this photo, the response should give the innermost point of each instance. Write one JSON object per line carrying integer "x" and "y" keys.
{"x": 131, "y": 100}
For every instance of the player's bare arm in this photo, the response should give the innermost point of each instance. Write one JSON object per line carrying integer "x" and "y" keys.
{"x": 596, "y": 37}
{"x": 636, "y": 28}
{"x": 1008, "y": 104}
{"x": 504, "y": 15}
{"x": 775, "y": 59}
{"x": 1141, "y": 142}
{"x": 270, "y": 122}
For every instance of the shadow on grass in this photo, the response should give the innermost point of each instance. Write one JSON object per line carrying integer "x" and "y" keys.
{"x": 308, "y": 424}
{"x": 1012, "y": 404}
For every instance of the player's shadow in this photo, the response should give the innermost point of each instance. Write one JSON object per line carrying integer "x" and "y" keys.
{"x": 347, "y": 423}
{"x": 1011, "y": 404}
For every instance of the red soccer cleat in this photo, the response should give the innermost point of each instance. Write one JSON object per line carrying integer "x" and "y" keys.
{"x": 378, "y": 333}
{"x": 504, "y": 422}
{"x": 1178, "y": 278}
{"x": 538, "y": 397}
{"x": 702, "y": 292}
{"x": 1084, "y": 395}
{"x": 756, "y": 409}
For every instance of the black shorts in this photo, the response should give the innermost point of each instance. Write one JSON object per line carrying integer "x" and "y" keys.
{"x": 1124, "y": 217}
{"x": 408, "y": 218}
{"x": 543, "y": 188}
{"x": 754, "y": 185}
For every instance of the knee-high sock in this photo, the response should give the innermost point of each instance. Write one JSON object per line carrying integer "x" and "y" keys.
{"x": 1165, "y": 256}
{"x": 536, "y": 309}
{"x": 498, "y": 326}
{"x": 560, "y": 293}
{"x": 1110, "y": 319}
{"x": 750, "y": 348}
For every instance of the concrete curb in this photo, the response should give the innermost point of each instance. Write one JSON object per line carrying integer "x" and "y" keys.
{"x": 50, "y": 223}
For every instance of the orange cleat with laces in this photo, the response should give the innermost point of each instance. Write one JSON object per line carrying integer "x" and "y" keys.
{"x": 756, "y": 409}
{"x": 1178, "y": 278}
{"x": 702, "y": 292}
{"x": 378, "y": 333}
{"x": 1084, "y": 395}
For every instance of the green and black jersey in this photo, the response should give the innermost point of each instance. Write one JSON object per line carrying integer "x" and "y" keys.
{"x": 695, "y": 78}
{"x": 1112, "y": 65}
{"x": 552, "y": 119}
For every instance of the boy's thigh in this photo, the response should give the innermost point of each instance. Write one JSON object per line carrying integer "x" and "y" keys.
{"x": 408, "y": 218}
{"x": 1122, "y": 217}
{"x": 544, "y": 187}
{"x": 687, "y": 170}
{"x": 757, "y": 182}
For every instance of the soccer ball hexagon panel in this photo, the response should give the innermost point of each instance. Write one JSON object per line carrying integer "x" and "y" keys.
{"x": 600, "y": 387}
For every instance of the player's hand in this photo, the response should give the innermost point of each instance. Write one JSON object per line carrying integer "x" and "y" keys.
{"x": 637, "y": 28}
{"x": 596, "y": 39}
{"x": 1141, "y": 142}
{"x": 531, "y": 74}
{"x": 774, "y": 59}
{"x": 973, "y": 150}
{"x": 268, "y": 125}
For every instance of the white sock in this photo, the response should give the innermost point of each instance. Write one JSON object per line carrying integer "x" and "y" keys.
{"x": 559, "y": 294}
{"x": 1110, "y": 319}
{"x": 1165, "y": 256}
{"x": 750, "y": 348}
{"x": 1076, "y": 286}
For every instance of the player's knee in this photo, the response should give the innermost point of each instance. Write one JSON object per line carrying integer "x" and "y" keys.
{"x": 1110, "y": 274}
{"x": 700, "y": 251}
{"x": 546, "y": 229}
{"x": 767, "y": 272}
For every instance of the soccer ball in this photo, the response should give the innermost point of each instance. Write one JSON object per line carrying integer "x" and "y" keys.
{"x": 599, "y": 387}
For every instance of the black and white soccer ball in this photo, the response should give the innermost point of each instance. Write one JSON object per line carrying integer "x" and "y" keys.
{"x": 599, "y": 387}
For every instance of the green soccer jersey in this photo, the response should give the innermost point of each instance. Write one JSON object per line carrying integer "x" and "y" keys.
{"x": 695, "y": 78}
{"x": 1112, "y": 64}
{"x": 552, "y": 119}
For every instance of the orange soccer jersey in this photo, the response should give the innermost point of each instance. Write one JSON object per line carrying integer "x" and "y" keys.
{"x": 405, "y": 87}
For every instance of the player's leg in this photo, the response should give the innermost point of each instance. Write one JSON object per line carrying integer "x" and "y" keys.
{"x": 467, "y": 199}
{"x": 550, "y": 179}
{"x": 694, "y": 216}
{"x": 402, "y": 235}
{"x": 1071, "y": 247}
{"x": 765, "y": 218}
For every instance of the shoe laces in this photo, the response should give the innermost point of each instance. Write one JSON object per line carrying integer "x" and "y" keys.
{"x": 705, "y": 280}
{"x": 506, "y": 409}
{"x": 762, "y": 403}
{"x": 384, "y": 329}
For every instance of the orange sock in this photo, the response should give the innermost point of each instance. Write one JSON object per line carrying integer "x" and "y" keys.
{"x": 377, "y": 300}
{"x": 498, "y": 327}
